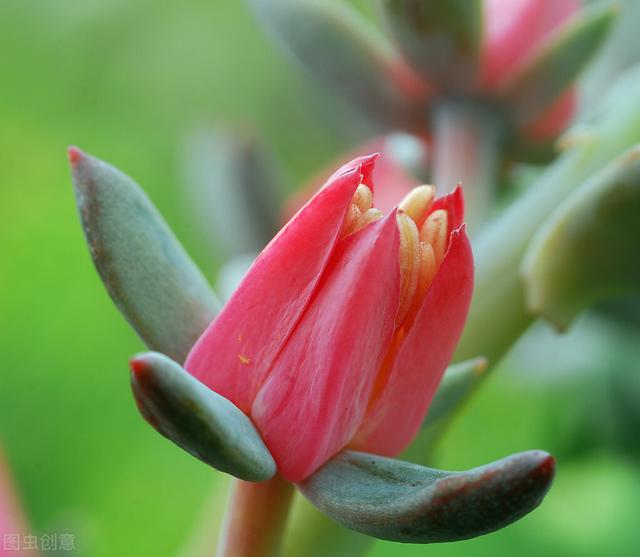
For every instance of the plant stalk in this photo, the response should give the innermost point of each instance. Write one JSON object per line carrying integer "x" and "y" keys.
{"x": 468, "y": 141}
{"x": 255, "y": 519}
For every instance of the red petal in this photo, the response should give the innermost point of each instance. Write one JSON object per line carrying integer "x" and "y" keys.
{"x": 454, "y": 205}
{"x": 393, "y": 420}
{"x": 235, "y": 353}
{"x": 515, "y": 28}
{"x": 317, "y": 392}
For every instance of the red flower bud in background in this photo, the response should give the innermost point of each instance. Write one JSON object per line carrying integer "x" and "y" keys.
{"x": 341, "y": 330}
{"x": 520, "y": 57}
{"x": 514, "y": 31}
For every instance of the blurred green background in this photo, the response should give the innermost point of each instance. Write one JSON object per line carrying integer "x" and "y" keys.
{"x": 128, "y": 82}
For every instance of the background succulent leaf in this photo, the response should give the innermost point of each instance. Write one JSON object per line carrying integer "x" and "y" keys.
{"x": 146, "y": 271}
{"x": 552, "y": 69}
{"x": 611, "y": 128}
{"x": 442, "y": 38}
{"x": 202, "y": 422}
{"x": 589, "y": 248}
{"x": 458, "y": 381}
{"x": 341, "y": 50}
{"x": 403, "y": 502}
{"x": 235, "y": 190}
{"x": 618, "y": 54}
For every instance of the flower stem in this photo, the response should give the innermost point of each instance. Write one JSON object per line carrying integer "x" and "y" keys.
{"x": 467, "y": 147}
{"x": 255, "y": 519}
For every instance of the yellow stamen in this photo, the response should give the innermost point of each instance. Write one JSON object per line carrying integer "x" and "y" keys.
{"x": 410, "y": 254}
{"x": 355, "y": 218}
{"x": 350, "y": 220}
{"x": 428, "y": 269}
{"x": 369, "y": 216}
{"x": 417, "y": 202}
{"x": 363, "y": 198}
{"x": 434, "y": 231}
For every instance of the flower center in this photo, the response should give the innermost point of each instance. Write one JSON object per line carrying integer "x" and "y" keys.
{"x": 423, "y": 241}
{"x": 360, "y": 213}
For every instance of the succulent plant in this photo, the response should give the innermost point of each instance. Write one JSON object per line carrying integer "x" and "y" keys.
{"x": 159, "y": 290}
{"x": 353, "y": 338}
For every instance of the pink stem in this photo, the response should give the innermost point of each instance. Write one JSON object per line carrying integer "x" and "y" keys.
{"x": 255, "y": 519}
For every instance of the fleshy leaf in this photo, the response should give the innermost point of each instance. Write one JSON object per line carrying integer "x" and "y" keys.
{"x": 403, "y": 502}
{"x": 198, "y": 420}
{"x": 336, "y": 46}
{"x": 550, "y": 71}
{"x": 234, "y": 188}
{"x": 441, "y": 38}
{"x": 587, "y": 251}
{"x": 317, "y": 391}
{"x": 612, "y": 128}
{"x": 237, "y": 350}
{"x": 146, "y": 271}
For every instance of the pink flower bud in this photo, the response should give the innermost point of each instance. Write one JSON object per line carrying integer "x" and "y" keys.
{"x": 341, "y": 330}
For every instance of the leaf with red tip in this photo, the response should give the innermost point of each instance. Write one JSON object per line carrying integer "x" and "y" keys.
{"x": 339, "y": 48}
{"x": 146, "y": 271}
{"x": 402, "y": 502}
{"x": 317, "y": 392}
{"x": 236, "y": 352}
{"x": 201, "y": 422}
{"x": 394, "y": 418}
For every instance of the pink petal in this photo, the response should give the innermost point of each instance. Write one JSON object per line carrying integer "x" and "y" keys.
{"x": 316, "y": 394}
{"x": 515, "y": 28}
{"x": 394, "y": 419}
{"x": 235, "y": 353}
{"x": 12, "y": 521}
{"x": 555, "y": 120}
{"x": 392, "y": 182}
{"x": 454, "y": 205}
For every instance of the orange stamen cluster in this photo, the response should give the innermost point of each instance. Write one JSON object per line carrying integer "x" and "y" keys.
{"x": 423, "y": 233}
{"x": 424, "y": 237}
{"x": 361, "y": 211}
{"x": 423, "y": 240}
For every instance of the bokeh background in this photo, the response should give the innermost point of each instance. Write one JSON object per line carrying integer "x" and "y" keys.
{"x": 129, "y": 82}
